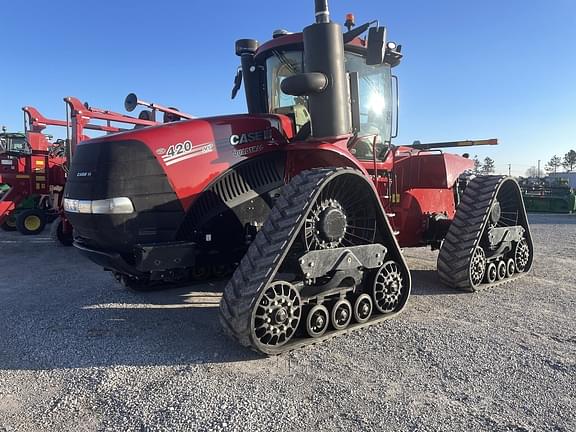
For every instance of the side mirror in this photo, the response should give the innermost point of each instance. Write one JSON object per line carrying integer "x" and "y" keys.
{"x": 376, "y": 46}
{"x": 304, "y": 84}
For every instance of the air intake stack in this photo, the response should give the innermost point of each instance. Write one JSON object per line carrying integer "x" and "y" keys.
{"x": 324, "y": 77}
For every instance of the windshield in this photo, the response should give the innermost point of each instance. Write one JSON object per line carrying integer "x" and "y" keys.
{"x": 375, "y": 94}
{"x": 375, "y": 91}
{"x": 280, "y": 65}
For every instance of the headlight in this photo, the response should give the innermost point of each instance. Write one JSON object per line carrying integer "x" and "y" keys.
{"x": 120, "y": 205}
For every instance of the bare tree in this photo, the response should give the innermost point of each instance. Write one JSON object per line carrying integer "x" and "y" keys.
{"x": 477, "y": 165}
{"x": 532, "y": 172}
{"x": 569, "y": 161}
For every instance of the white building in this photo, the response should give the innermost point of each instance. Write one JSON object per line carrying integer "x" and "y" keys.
{"x": 570, "y": 176}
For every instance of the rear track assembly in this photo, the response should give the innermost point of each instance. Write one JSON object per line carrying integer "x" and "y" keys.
{"x": 489, "y": 241}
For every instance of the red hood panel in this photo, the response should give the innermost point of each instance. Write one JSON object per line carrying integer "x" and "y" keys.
{"x": 194, "y": 152}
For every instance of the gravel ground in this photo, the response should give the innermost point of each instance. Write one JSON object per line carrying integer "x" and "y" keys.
{"x": 78, "y": 352}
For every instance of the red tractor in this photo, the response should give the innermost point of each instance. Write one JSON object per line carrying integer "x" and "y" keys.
{"x": 31, "y": 174}
{"x": 306, "y": 192}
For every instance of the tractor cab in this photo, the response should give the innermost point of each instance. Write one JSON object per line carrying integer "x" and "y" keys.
{"x": 370, "y": 103}
{"x": 14, "y": 144}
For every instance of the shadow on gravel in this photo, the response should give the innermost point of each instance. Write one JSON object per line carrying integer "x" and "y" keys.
{"x": 173, "y": 327}
{"x": 426, "y": 282}
{"x": 163, "y": 328}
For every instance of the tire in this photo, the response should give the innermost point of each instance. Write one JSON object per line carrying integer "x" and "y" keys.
{"x": 31, "y": 222}
{"x": 9, "y": 224}
{"x": 58, "y": 235}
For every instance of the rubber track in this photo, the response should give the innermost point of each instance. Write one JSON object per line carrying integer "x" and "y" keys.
{"x": 263, "y": 259}
{"x": 465, "y": 232}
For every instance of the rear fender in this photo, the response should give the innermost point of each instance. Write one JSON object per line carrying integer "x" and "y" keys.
{"x": 303, "y": 156}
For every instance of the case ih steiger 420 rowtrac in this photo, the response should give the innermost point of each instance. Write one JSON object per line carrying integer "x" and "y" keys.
{"x": 305, "y": 191}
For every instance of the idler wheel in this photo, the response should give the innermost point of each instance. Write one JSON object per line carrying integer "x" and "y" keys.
{"x": 521, "y": 255}
{"x": 277, "y": 314}
{"x": 362, "y": 308}
{"x": 491, "y": 273}
{"x": 341, "y": 314}
{"x": 477, "y": 267}
{"x": 501, "y": 270}
{"x": 510, "y": 267}
{"x": 317, "y": 321}
{"x": 388, "y": 287}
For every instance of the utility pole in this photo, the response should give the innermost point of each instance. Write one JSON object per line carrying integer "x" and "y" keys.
{"x": 509, "y": 168}
{"x": 538, "y": 168}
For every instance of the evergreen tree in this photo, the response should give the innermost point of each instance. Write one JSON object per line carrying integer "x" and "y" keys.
{"x": 553, "y": 164}
{"x": 569, "y": 161}
{"x": 487, "y": 166}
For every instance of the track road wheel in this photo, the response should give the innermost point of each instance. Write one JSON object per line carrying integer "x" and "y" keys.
{"x": 510, "y": 267}
{"x": 501, "y": 270}
{"x": 9, "y": 224}
{"x": 362, "y": 308}
{"x": 276, "y": 317}
{"x": 317, "y": 321}
{"x": 341, "y": 314}
{"x": 491, "y": 273}
{"x": 31, "y": 222}
{"x": 200, "y": 273}
{"x": 389, "y": 288}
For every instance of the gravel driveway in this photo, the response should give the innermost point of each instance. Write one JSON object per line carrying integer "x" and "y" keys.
{"x": 78, "y": 352}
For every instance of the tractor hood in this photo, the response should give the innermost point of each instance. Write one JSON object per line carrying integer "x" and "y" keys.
{"x": 205, "y": 146}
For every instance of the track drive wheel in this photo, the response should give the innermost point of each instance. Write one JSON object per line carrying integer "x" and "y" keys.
{"x": 31, "y": 222}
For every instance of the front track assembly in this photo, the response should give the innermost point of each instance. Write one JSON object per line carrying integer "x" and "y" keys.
{"x": 325, "y": 262}
{"x": 489, "y": 241}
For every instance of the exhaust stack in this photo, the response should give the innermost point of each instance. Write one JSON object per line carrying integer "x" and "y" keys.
{"x": 324, "y": 54}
